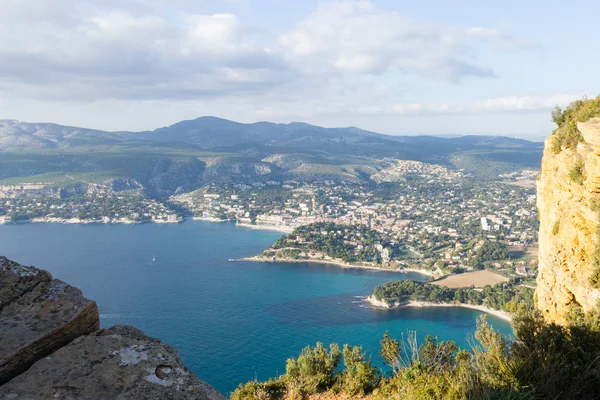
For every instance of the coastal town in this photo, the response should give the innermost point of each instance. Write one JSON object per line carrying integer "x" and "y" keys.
{"x": 122, "y": 207}
{"x": 416, "y": 216}
{"x": 432, "y": 220}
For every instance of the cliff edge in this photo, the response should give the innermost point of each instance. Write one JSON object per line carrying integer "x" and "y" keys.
{"x": 569, "y": 206}
{"x": 51, "y": 347}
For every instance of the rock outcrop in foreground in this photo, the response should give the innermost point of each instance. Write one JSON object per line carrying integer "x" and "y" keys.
{"x": 120, "y": 362}
{"x": 568, "y": 203}
{"x": 38, "y": 315}
{"x": 50, "y": 347}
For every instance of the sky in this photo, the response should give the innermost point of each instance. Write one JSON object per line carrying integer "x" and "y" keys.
{"x": 390, "y": 66}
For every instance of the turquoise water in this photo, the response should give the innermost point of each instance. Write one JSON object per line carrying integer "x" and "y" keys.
{"x": 231, "y": 321}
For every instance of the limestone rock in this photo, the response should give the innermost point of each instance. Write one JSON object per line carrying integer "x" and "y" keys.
{"x": 16, "y": 279}
{"x": 38, "y": 315}
{"x": 116, "y": 363}
{"x": 568, "y": 226}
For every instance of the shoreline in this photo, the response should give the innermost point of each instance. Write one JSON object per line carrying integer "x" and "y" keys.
{"x": 63, "y": 221}
{"x": 334, "y": 263}
{"x": 211, "y": 219}
{"x": 275, "y": 228}
{"x": 74, "y": 221}
{"x": 421, "y": 304}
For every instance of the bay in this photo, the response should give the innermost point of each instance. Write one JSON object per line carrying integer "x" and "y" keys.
{"x": 231, "y": 321}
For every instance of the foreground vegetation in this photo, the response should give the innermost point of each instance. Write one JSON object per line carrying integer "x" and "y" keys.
{"x": 567, "y": 134}
{"x": 506, "y": 297}
{"x": 543, "y": 361}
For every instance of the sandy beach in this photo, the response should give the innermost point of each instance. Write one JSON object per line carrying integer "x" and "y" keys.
{"x": 276, "y": 228}
{"x": 211, "y": 219}
{"x": 382, "y": 304}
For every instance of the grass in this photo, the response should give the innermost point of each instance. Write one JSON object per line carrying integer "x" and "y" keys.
{"x": 519, "y": 254}
{"x": 407, "y": 254}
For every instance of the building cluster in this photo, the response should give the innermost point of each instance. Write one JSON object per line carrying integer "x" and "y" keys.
{"x": 403, "y": 169}
{"x": 116, "y": 207}
{"x": 435, "y": 217}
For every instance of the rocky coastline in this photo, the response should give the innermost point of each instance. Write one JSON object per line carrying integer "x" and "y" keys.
{"x": 334, "y": 262}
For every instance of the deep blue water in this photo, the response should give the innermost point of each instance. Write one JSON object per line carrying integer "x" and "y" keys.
{"x": 231, "y": 321}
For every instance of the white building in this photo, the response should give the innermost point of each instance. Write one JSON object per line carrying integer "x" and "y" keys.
{"x": 484, "y": 224}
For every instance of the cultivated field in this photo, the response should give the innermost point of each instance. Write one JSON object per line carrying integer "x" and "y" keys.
{"x": 523, "y": 254}
{"x": 478, "y": 279}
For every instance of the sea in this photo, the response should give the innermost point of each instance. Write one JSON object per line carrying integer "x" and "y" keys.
{"x": 232, "y": 321}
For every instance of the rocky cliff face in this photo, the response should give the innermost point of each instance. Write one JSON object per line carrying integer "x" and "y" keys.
{"x": 50, "y": 347}
{"x": 568, "y": 203}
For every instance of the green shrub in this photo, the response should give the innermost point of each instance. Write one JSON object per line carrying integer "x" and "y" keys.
{"x": 557, "y": 362}
{"x": 567, "y": 135}
{"x": 359, "y": 377}
{"x": 270, "y": 390}
{"x": 492, "y": 361}
{"x": 438, "y": 370}
{"x": 556, "y": 228}
{"x": 390, "y": 351}
{"x": 543, "y": 360}
{"x": 576, "y": 173}
{"x": 558, "y": 117}
{"x": 556, "y": 145}
{"x": 313, "y": 371}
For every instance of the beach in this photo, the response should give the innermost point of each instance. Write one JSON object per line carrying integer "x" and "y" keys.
{"x": 211, "y": 219}
{"x": 276, "y": 228}
{"x": 416, "y": 304}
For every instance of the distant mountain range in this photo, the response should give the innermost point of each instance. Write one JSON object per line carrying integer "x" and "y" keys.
{"x": 212, "y": 132}
{"x": 218, "y": 150}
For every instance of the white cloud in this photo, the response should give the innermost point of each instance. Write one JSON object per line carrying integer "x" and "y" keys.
{"x": 91, "y": 52}
{"x": 490, "y": 105}
{"x": 356, "y": 36}
{"x": 141, "y": 49}
{"x": 499, "y": 105}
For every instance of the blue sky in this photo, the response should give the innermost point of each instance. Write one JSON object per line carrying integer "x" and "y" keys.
{"x": 398, "y": 67}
